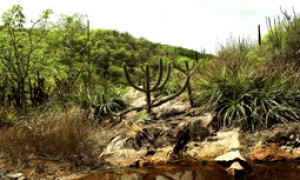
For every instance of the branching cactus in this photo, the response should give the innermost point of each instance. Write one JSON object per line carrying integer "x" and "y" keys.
{"x": 188, "y": 71}
{"x": 160, "y": 83}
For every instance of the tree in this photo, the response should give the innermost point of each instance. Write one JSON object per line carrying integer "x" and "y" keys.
{"x": 23, "y": 54}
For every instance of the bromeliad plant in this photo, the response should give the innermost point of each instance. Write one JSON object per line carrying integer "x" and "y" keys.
{"x": 110, "y": 103}
{"x": 104, "y": 101}
{"x": 249, "y": 96}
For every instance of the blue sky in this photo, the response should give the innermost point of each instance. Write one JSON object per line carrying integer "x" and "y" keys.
{"x": 195, "y": 24}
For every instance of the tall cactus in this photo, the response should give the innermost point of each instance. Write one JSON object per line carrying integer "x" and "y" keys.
{"x": 148, "y": 89}
{"x": 188, "y": 71}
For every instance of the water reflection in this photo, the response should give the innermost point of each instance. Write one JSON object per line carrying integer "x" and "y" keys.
{"x": 194, "y": 171}
{"x": 209, "y": 171}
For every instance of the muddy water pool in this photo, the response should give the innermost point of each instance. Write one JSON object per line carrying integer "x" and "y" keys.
{"x": 199, "y": 171}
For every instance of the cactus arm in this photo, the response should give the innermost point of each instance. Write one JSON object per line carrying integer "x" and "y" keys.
{"x": 167, "y": 77}
{"x": 172, "y": 96}
{"x": 180, "y": 68}
{"x": 129, "y": 80}
{"x": 193, "y": 68}
{"x": 147, "y": 87}
{"x": 160, "y": 71}
{"x": 188, "y": 71}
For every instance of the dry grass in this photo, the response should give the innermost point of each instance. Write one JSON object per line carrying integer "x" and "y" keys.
{"x": 62, "y": 135}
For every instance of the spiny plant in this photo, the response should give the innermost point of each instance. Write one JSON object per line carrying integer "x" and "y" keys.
{"x": 188, "y": 71}
{"x": 148, "y": 89}
{"x": 108, "y": 107}
{"x": 103, "y": 100}
{"x": 250, "y": 96}
{"x": 139, "y": 135}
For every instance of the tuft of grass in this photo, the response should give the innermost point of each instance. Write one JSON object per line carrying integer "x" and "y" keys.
{"x": 249, "y": 96}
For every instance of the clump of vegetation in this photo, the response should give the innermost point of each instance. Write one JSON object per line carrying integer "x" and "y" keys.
{"x": 104, "y": 101}
{"x": 252, "y": 86}
{"x": 250, "y": 96}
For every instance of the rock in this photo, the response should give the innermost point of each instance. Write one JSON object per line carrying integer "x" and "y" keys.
{"x": 117, "y": 143}
{"x": 168, "y": 111}
{"x": 123, "y": 157}
{"x": 17, "y": 176}
{"x": 186, "y": 131}
{"x": 297, "y": 136}
{"x": 289, "y": 131}
{"x": 72, "y": 176}
{"x": 289, "y": 143}
{"x": 296, "y": 151}
{"x": 231, "y": 156}
{"x": 214, "y": 146}
{"x": 270, "y": 153}
{"x": 198, "y": 132}
{"x": 196, "y": 111}
{"x": 292, "y": 137}
{"x": 234, "y": 168}
{"x": 287, "y": 149}
{"x": 234, "y": 159}
{"x": 161, "y": 157}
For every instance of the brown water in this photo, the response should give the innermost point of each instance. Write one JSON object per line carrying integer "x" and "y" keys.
{"x": 200, "y": 171}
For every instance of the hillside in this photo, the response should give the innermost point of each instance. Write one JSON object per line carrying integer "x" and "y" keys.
{"x": 62, "y": 58}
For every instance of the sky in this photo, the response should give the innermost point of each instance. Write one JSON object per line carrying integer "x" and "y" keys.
{"x": 194, "y": 24}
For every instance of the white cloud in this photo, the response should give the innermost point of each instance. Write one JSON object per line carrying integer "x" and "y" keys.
{"x": 195, "y": 24}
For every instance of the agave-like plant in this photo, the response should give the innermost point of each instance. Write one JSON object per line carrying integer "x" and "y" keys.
{"x": 249, "y": 96}
{"x": 103, "y": 100}
{"x": 109, "y": 105}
